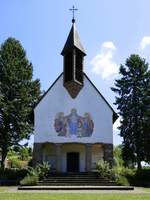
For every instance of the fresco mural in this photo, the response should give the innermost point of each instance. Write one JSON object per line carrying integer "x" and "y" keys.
{"x": 73, "y": 124}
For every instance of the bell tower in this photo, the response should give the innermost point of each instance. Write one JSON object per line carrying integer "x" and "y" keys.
{"x": 73, "y": 54}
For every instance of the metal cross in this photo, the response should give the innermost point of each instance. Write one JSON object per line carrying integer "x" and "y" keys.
{"x": 73, "y": 9}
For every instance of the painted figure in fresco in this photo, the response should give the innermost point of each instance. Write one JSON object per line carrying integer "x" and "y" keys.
{"x": 73, "y": 124}
{"x": 60, "y": 125}
{"x": 79, "y": 132}
{"x": 88, "y": 125}
{"x": 73, "y": 121}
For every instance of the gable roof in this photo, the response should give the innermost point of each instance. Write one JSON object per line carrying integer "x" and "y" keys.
{"x": 115, "y": 116}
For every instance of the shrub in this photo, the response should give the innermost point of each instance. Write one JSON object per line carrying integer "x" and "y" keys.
{"x": 15, "y": 162}
{"x": 104, "y": 169}
{"x": 33, "y": 171}
{"x": 118, "y": 161}
{"x": 12, "y": 174}
{"x": 141, "y": 178}
{"x": 143, "y": 174}
{"x": 119, "y": 174}
{"x": 30, "y": 180}
{"x": 32, "y": 177}
{"x": 34, "y": 174}
{"x": 30, "y": 162}
{"x": 122, "y": 180}
{"x": 43, "y": 169}
{"x": 123, "y": 171}
{"x": 21, "y": 173}
{"x": 24, "y": 153}
{"x": 122, "y": 175}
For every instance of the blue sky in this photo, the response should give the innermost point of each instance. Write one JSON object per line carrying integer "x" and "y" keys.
{"x": 110, "y": 30}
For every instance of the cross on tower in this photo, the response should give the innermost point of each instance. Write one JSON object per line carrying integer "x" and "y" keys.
{"x": 73, "y": 9}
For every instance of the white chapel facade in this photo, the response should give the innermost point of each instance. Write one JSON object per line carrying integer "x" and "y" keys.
{"x": 73, "y": 123}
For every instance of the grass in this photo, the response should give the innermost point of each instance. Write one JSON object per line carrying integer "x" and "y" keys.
{"x": 4, "y": 195}
{"x": 3, "y": 189}
{"x": 146, "y": 189}
{"x": 48, "y": 196}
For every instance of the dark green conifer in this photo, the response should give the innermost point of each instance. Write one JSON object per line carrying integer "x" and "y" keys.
{"x": 18, "y": 94}
{"x": 133, "y": 101}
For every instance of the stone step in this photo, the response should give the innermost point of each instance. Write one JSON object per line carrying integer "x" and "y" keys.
{"x": 70, "y": 181}
{"x": 76, "y": 179}
{"x": 76, "y": 184}
{"x": 54, "y": 175}
{"x": 80, "y": 182}
{"x": 62, "y": 187}
{"x": 73, "y": 174}
{"x": 73, "y": 184}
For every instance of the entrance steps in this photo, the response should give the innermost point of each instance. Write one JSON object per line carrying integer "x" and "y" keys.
{"x": 76, "y": 179}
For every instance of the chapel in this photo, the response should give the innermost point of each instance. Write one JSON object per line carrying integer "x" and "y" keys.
{"x": 73, "y": 122}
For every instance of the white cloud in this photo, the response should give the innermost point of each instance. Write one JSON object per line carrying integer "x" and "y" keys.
{"x": 103, "y": 63}
{"x": 108, "y": 45}
{"x": 145, "y": 42}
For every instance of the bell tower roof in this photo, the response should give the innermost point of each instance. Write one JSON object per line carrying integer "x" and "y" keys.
{"x": 73, "y": 41}
{"x": 73, "y": 57}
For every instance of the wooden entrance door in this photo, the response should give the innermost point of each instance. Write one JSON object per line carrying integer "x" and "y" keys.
{"x": 73, "y": 162}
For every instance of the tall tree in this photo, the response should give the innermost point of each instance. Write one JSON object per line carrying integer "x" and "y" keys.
{"x": 18, "y": 94}
{"x": 133, "y": 101}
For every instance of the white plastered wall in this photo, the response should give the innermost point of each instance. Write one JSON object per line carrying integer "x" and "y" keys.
{"x": 58, "y": 100}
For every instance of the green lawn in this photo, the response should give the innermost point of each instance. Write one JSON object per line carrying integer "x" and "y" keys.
{"x": 46, "y": 196}
{"x": 146, "y": 189}
{"x": 4, "y": 195}
{"x": 3, "y": 189}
